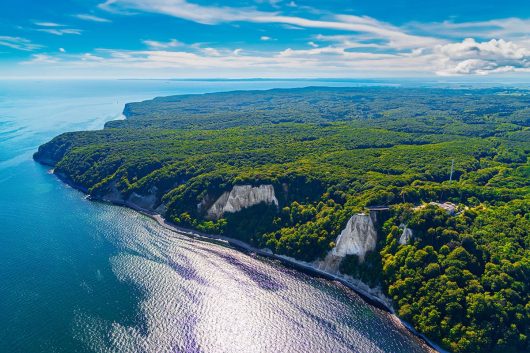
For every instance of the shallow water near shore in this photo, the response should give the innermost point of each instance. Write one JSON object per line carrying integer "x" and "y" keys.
{"x": 83, "y": 276}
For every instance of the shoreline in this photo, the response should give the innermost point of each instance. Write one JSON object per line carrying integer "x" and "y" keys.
{"x": 286, "y": 261}
{"x": 250, "y": 250}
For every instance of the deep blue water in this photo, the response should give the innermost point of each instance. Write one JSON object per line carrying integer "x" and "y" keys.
{"x": 82, "y": 276}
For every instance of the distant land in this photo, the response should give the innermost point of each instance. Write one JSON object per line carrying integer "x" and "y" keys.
{"x": 421, "y": 196}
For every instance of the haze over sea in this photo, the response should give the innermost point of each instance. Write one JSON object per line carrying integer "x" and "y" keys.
{"x": 82, "y": 276}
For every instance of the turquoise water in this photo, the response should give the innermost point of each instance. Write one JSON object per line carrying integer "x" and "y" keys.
{"x": 82, "y": 276}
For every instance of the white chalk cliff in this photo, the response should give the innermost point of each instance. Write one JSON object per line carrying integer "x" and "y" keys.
{"x": 240, "y": 197}
{"x": 357, "y": 238}
{"x": 406, "y": 236}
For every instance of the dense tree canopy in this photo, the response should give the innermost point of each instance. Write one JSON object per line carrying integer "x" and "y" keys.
{"x": 463, "y": 280}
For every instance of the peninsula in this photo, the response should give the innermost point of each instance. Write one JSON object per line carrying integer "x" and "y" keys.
{"x": 421, "y": 195}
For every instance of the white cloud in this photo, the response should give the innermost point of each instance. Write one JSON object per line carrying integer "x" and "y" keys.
{"x": 62, "y": 50}
{"x": 182, "y": 9}
{"x": 351, "y": 46}
{"x": 175, "y": 59}
{"x": 395, "y": 36}
{"x": 273, "y": 3}
{"x": 87, "y": 57}
{"x": 49, "y": 24}
{"x": 368, "y": 26}
{"x": 173, "y": 43}
{"x": 211, "y": 51}
{"x": 294, "y": 28}
{"x": 513, "y": 28}
{"x": 351, "y": 41}
{"x": 196, "y": 61}
{"x": 60, "y": 31}
{"x": 482, "y": 58}
{"x": 341, "y": 53}
{"x": 88, "y": 17}
{"x": 18, "y": 43}
{"x": 55, "y": 28}
{"x": 41, "y": 58}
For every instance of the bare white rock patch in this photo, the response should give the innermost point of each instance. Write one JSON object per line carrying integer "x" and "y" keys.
{"x": 406, "y": 236}
{"x": 357, "y": 238}
{"x": 240, "y": 197}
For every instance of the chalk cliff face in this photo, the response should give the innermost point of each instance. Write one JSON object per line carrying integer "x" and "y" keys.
{"x": 146, "y": 202}
{"x": 357, "y": 238}
{"x": 406, "y": 236}
{"x": 240, "y": 197}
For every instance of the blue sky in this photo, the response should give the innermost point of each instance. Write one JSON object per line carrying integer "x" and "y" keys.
{"x": 264, "y": 38}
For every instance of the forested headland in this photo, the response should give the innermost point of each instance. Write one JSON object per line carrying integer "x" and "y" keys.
{"x": 463, "y": 279}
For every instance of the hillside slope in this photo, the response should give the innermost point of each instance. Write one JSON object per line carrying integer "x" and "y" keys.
{"x": 287, "y": 169}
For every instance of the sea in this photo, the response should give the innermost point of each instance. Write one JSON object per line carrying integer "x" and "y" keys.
{"x": 83, "y": 276}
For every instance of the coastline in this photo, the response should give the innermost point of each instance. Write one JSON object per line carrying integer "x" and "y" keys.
{"x": 286, "y": 261}
{"x": 248, "y": 249}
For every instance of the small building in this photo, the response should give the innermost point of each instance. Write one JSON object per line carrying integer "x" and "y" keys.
{"x": 449, "y": 207}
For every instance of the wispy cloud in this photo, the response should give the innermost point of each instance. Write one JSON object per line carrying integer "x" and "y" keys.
{"x": 42, "y": 58}
{"x": 93, "y": 18}
{"x": 182, "y": 9}
{"x": 208, "y": 51}
{"x": 362, "y": 42}
{"x": 508, "y": 28}
{"x": 55, "y": 28}
{"x": 458, "y": 58}
{"x": 348, "y": 45}
{"x": 48, "y": 24}
{"x": 196, "y": 61}
{"x": 214, "y": 15}
{"x": 335, "y": 51}
{"x": 153, "y": 44}
{"x": 60, "y": 31}
{"x": 351, "y": 41}
{"x": 18, "y": 43}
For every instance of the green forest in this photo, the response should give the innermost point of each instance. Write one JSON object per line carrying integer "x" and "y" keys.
{"x": 463, "y": 280}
